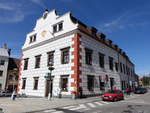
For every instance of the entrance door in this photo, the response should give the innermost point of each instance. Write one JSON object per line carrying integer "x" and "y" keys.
{"x": 47, "y": 90}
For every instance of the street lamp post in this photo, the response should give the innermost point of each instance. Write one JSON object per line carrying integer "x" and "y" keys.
{"x": 50, "y": 68}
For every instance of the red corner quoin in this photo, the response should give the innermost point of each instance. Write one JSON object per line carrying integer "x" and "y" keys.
{"x": 76, "y": 62}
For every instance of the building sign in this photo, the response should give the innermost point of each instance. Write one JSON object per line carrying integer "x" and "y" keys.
{"x": 47, "y": 75}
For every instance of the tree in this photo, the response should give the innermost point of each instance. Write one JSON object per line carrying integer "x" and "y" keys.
{"x": 146, "y": 81}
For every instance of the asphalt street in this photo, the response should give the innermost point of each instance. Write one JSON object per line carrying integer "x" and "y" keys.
{"x": 139, "y": 103}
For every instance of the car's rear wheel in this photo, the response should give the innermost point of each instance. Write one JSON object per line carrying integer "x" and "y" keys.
{"x": 115, "y": 99}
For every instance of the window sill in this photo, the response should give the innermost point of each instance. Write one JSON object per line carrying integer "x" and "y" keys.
{"x": 57, "y": 31}
{"x": 35, "y": 89}
{"x": 36, "y": 67}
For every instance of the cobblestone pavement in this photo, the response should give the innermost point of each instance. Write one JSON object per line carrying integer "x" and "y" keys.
{"x": 33, "y": 104}
{"x": 27, "y": 105}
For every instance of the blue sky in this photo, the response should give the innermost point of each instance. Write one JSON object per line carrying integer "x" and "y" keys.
{"x": 126, "y": 22}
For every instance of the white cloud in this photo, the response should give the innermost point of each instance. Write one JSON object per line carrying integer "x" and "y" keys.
{"x": 6, "y": 6}
{"x": 16, "y": 17}
{"x": 11, "y": 12}
{"x": 124, "y": 21}
{"x": 39, "y": 2}
{"x": 143, "y": 72}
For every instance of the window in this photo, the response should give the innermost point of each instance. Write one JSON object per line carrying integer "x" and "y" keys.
{"x": 65, "y": 55}
{"x": 54, "y": 28}
{"x": 50, "y": 59}
{"x": 2, "y": 62}
{"x": 10, "y": 77}
{"x": 116, "y": 66}
{"x": 1, "y": 73}
{"x": 26, "y": 63}
{"x": 33, "y": 38}
{"x": 57, "y": 27}
{"x": 88, "y": 56}
{"x": 60, "y": 26}
{"x": 23, "y": 83}
{"x": 124, "y": 69}
{"x": 127, "y": 71}
{"x": 90, "y": 82}
{"x": 0, "y": 86}
{"x": 101, "y": 84}
{"x": 101, "y": 60}
{"x": 36, "y": 79}
{"x": 37, "y": 61}
{"x": 64, "y": 82}
{"x": 110, "y": 63}
{"x": 121, "y": 67}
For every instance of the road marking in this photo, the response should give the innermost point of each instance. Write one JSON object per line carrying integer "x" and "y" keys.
{"x": 68, "y": 107}
{"x": 91, "y": 105}
{"x": 51, "y": 110}
{"x": 58, "y": 112}
{"x": 98, "y": 103}
{"x": 104, "y": 102}
{"x": 81, "y": 106}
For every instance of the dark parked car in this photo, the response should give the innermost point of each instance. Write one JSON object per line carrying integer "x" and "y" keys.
{"x": 140, "y": 90}
{"x": 113, "y": 95}
{"x": 5, "y": 93}
{"x": 1, "y": 110}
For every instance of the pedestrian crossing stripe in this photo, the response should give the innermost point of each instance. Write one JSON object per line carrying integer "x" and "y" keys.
{"x": 91, "y": 105}
{"x": 98, "y": 103}
{"x": 51, "y": 110}
{"x": 79, "y": 107}
{"x": 105, "y": 102}
{"x": 68, "y": 107}
{"x": 58, "y": 112}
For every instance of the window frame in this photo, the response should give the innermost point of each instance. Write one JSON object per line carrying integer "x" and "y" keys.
{"x": 90, "y": 82}
{"x": 26, "y": 62}
{"x": 32, "y": 38}
{"x": 111, "y": 65}
{"x": 37, "y": 63}
{"x": 1, "y": 73}
{"x": 124, "y": 69}
{"x": 101, "y": 60}
{"x": 121, "y": 69}
{"x": 64, "y": 89}
{"x": 24, "y": 80}
{"x": 88, "y": 56}
{"x": 50, "y": 55}
{"x": 2, "y": 62}
{"x": 65, "y": 58}
{"x": 58, "y": 27}
{"x": 35, "y": 83}
{"x": 116, "y": 66}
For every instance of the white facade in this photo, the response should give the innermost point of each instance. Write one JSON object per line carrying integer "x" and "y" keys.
{"x": 4, "y": 57}
{"x": 77, "y": 70}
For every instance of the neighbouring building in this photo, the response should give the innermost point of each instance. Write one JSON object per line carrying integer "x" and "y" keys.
{"x": 12, "y": 74}
{"x": 84, "y": 60}
{"x": 4, "y": 59}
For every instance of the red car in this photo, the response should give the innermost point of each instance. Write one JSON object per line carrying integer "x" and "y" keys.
{"x": 113, "y": 95}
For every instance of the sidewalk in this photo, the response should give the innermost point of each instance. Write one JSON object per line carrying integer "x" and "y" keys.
{"x": 27, "y": 105}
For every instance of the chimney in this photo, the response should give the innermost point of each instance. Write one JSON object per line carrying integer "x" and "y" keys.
{"x": 110, "y": 42}
{"x": 93, "y": 30}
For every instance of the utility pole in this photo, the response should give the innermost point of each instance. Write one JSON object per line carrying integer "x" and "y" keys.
{"x": 50, "y": 68}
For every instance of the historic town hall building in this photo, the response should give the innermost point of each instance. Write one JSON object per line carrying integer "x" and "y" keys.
{"x": 83, "y": 59}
